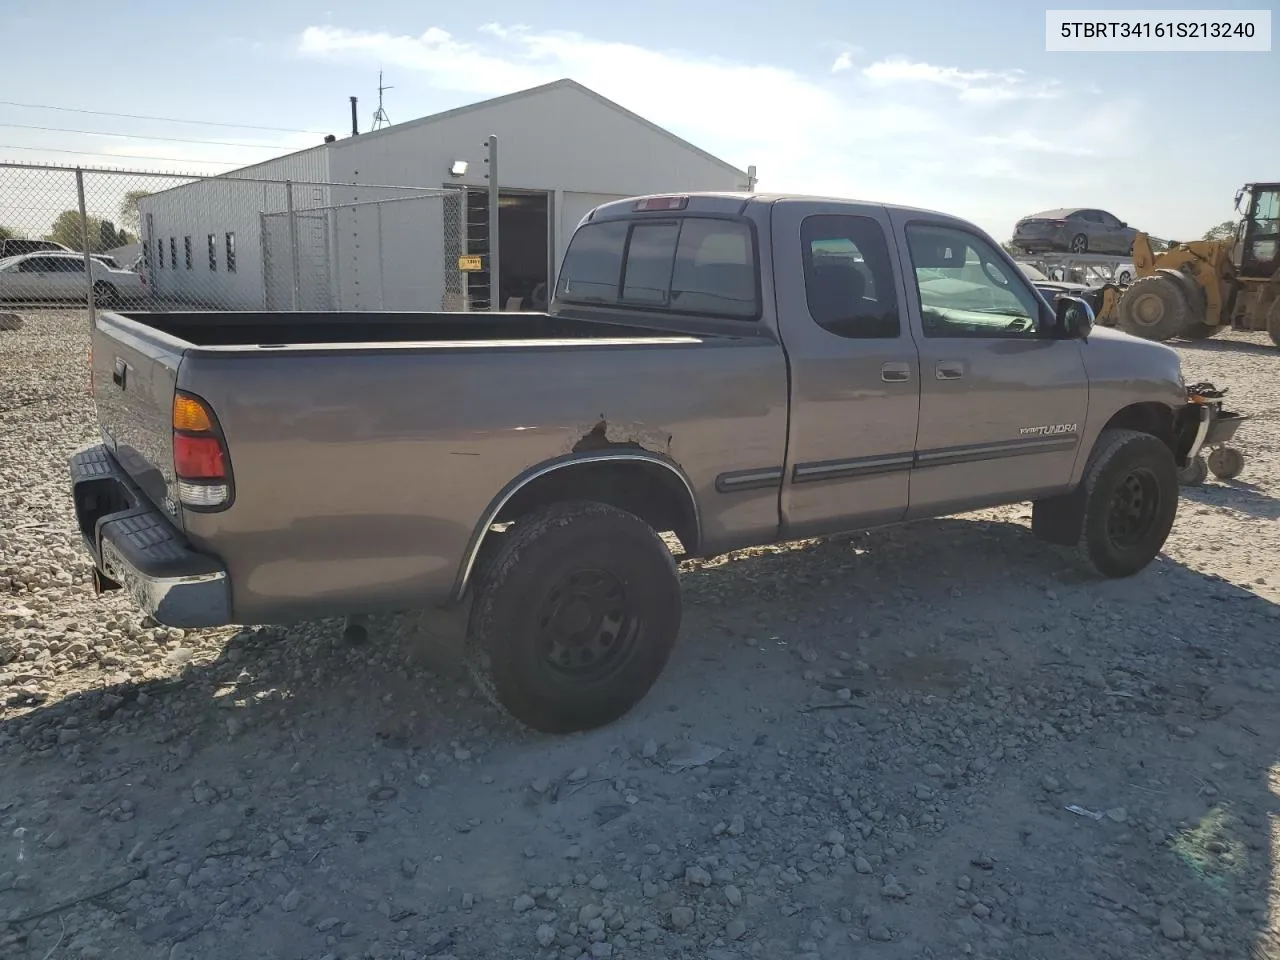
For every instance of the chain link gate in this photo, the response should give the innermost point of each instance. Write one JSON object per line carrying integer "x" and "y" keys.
{"x": 146, "y": 240}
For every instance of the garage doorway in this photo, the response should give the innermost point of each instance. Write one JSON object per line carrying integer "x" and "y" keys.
{"x": 524, "y": 236}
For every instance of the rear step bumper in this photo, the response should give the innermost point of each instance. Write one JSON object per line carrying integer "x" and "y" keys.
{"x": 136, "y": 548}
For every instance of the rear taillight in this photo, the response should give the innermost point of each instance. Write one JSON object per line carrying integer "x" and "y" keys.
{"x": 200, "y": 460}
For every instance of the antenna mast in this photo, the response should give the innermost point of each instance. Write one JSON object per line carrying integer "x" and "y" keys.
{"x": 380, "y": 118}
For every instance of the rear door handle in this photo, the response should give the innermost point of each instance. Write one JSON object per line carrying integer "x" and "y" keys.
{"x": 949, "y": 370}
{"x": 119, "y": 374}
{"x": 895, "y": 372}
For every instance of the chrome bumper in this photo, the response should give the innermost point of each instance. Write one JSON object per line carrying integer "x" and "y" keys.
{"x": 135, "y": 547}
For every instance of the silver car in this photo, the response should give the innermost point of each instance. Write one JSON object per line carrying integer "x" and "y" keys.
{"x": 1074, "y": 230}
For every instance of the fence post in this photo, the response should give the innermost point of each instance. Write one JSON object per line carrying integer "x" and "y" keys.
{"x": 84, "y": 243}
{"x": 294, "y": 269}
{"x": 495, "y": 294}
{"x": 264, "y": 259}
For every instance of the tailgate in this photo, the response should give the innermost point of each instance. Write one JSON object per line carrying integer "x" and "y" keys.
{"x": 135, "y": 372}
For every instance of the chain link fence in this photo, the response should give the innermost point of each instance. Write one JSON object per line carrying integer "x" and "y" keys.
{"x": 149, "y": 241}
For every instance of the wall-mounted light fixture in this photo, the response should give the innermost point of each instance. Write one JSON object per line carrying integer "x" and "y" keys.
{"x": 458, "y": 168}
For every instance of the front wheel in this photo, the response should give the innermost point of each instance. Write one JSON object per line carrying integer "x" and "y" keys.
{"x": 1130, "y": 500}
{"x": 575, "y": 617}
{"x": 1155, "y": 308}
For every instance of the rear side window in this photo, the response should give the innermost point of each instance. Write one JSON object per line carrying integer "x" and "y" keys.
{"x": 696, "y": 265}
{"x": 848, "y": 277}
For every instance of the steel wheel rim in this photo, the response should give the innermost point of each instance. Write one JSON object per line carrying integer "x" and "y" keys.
{"x": 586, "y": 628}
{"x": 1133, "y": 509}
{"x": 1149, "y": 310}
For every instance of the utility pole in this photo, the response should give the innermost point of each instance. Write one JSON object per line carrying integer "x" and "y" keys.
{"x": 380, "y": 118}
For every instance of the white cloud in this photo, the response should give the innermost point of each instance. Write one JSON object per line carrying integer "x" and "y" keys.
{"x": 972, "y": 85}
{"x": 979, "y": 143}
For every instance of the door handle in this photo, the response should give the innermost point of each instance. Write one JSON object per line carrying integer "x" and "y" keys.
{"x": 895, "y": 372}
{"x": 119, "y": 373}
{"x": 949, "y": 370}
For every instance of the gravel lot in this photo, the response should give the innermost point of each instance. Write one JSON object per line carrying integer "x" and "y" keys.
{"x": 869, "y": 746}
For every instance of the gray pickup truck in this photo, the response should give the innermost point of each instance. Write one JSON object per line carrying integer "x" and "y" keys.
{"x": 729, "y": 369}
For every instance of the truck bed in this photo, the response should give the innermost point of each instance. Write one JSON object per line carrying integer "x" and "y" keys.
{"x": 278, "y": 329}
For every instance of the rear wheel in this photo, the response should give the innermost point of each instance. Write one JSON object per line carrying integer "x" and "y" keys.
{"x": 575, "y": 617}
{"x": 1154, "y": 308}
{"x": 1273, "y": 321}
{"x": 105, "y": 295}
{"x": 1079, "y": 243}
{"x": 1130, "y": 502}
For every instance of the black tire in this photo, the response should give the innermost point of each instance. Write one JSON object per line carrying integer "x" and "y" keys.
{"x": 1201, "y": 331}
{"x": 1225, "y": 463}
{"x": 105, "y": 295}
{"x": 1273, "y": 321}
{"x": 1079, "y": 243}
{"x": 606, "y": 572}
{"x": 1154, "y": 308}
{"x": 1195, "y": 474}
{"x": 1131, "y": 499}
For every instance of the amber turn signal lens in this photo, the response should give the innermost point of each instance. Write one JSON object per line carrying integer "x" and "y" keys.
{"x": 190, "y": 415}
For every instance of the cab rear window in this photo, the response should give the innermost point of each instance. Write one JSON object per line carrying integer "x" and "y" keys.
{"x": 690, "y": 265}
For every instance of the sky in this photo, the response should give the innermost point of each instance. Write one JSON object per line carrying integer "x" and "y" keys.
{"x": 955, "y": 107}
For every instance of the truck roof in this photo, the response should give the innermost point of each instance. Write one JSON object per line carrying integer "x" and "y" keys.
{"x": 737, "y": 202}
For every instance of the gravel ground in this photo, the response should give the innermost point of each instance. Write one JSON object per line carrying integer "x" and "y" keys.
{"x": 936, "y": 741}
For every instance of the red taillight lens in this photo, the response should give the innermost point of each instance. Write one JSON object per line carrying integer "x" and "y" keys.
{"x": 200, "y": 461}
{"x": 198, "y": 458}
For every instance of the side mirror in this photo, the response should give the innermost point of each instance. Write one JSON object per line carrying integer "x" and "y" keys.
{"x": 1074, "y": 316}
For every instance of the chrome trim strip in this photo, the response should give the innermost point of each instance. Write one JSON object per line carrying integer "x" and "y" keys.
{"x": 473, "y": 553}
{"x": 740, "y": 480}
{"x": 853, "y": 467}
{"x": 1202, "y": 431}
{"x": 951, "y": 456}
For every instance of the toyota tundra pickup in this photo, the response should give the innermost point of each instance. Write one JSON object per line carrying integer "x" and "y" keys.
{"x": 725, "y": 369}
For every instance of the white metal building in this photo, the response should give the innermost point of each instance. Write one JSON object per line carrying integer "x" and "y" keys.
{"x": 563, "y": 149}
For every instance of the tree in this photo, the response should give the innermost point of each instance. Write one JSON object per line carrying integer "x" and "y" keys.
{"x": 109, "y": 237}
{"x": 129, "y": 215}
{"x": 1010, "y": 249}
{"x": 67, "y": 231}
{"x": 6, "y": 233}
{"x": 1226, "y": 230}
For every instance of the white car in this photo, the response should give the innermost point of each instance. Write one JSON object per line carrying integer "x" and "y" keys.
{"x": 1124, "y": 274}
{"x": 60, "y": 276}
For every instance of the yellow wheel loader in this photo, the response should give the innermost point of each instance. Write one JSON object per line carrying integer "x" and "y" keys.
{"x": 1194, "y": 290}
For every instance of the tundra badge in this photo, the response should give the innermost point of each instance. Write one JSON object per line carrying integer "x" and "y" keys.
{"x": 1049, "y": 430}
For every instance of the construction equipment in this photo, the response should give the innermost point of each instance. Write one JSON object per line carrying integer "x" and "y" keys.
{"x": 1195, "y": 290}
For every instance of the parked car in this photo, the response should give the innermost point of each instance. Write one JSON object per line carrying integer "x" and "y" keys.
{"x": 729, "y": 369}
{"x": 1053, "y": 288}
{"x": 1074, "y": 230}
{"x": 60, "y": 276}
{"x": 16, "y": 246}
